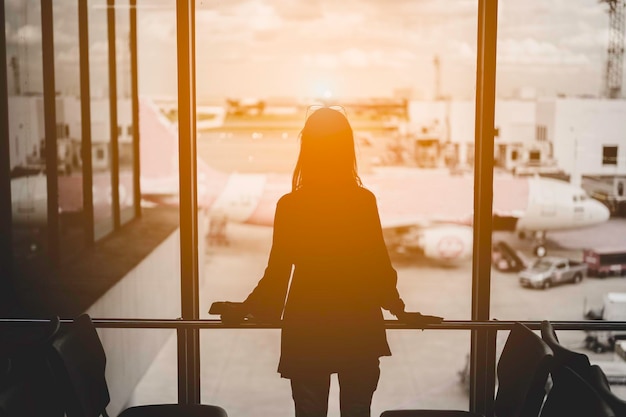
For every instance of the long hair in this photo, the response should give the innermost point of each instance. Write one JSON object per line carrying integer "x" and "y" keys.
{"x": 327, "y": 157}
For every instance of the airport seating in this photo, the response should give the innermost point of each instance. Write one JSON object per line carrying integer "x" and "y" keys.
{"x": 601, "y": 384}
{"x": 522, "y": 372}
{"x": 572, "y": 396}
{"x": 579, "y": 363}
{"x": 78, "y": 362}
{"x": 25, "y": 375}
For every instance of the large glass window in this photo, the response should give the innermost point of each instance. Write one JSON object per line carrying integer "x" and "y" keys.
{"x": 124, "y": 110}
{"x": 26, "y": 131}
{"x": 553, "y": 113}
{"x": 69, "y": 128}
{"x": 415, "y": 151}
{"x": 404, "y": 73}
{"x": 147, "y": 378}
{"x": 100, "y": 118}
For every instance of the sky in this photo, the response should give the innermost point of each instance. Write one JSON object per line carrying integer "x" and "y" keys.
{"x": 348, "y": 48}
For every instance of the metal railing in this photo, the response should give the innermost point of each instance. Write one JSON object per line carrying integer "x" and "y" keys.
{"x": 179, "y": 324}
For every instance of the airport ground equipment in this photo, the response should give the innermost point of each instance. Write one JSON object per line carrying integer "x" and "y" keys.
{"x": 78, "y": 362}
{"x": 604, "y": 262}
{"x": 507, "y": 259}
{"x": 522, "y": 373}
{"x": 613, "y": 308}
{"x": 551, "y": 270}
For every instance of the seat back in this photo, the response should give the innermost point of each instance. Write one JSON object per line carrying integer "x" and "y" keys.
{"x": 27, "y": 388}
{"x": 600, "y": 383}
{"x": 572, "y": 396}
{"x": 578, "y": 362}
{"x": 78, "y": 361}
{"x": 522, "y": 372}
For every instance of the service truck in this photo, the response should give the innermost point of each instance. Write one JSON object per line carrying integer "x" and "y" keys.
{"x": 551, "y": 270}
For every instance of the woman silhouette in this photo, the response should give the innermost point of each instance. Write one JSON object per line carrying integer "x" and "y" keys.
{"x": 327, "y": 230}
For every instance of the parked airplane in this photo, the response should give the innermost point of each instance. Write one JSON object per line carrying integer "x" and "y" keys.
{"x": 419, "y": 210}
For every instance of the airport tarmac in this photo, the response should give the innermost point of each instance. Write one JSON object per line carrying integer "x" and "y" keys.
{"x": 239, "y": 366}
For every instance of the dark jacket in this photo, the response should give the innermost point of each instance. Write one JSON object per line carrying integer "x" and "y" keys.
{"x": 342, "y": 276}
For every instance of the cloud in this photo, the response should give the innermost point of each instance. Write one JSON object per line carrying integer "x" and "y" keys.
{"x": 99, "y": 53}
{"x": 255, "y": 15}
{"x": 357, "y": 58}
{"x": 531, "y": 51}
{"x": 68, "y": 56}
{"x": 596, "y": 40}
{"x": 323, "y": 61}
{"x": 157, "y": 27}
{"x": 537, "y": 40}
{"x": 26, "y": 35}
{"x": 299, "y": 11}
{"x": 461, "y": 50}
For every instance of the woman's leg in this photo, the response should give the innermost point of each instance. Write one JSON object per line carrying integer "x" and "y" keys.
{"x": 310, "y": 394}
{"x": 357, "y": 383}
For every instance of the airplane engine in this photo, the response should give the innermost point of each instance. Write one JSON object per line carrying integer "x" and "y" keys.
{"x": 447, "y": 244}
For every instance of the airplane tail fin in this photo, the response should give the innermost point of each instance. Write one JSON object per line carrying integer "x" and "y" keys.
{"x": 158, "y": 151}
{"x": 159, "y": 157}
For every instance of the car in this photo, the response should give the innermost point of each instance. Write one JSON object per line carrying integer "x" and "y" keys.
{"x": 551, "y": 270}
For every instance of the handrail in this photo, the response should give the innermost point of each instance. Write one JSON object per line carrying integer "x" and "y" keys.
{"x": 389, "y": 324}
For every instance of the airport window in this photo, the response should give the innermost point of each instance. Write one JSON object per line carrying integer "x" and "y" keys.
{"x": 541, "y": 133}
{"x": 63, "y": 130}
{"x": 534, "y": 156}
{"x": 609, "y": 155}
{"x": 27, "y": 152}
{"x": 250, "y": 143}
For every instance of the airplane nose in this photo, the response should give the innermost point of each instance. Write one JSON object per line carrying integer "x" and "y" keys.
{"x": 600, "y": 212}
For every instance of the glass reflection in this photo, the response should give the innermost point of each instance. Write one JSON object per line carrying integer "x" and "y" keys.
{"x": 124, "y": 109}
{"x": 69, "y": 125}
{"x": 26, "y": 129}
{"x": 100, "y": 117}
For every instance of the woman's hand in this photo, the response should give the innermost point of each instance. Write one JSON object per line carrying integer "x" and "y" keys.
{"x": 419, "y": 319}
{"x": 230, "y": 312}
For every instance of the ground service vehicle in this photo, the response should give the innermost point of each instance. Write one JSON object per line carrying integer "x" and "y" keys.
{"x": 551, "y": 270}
{"x": 606, "y": 261}
{"x": 613, "y": 308}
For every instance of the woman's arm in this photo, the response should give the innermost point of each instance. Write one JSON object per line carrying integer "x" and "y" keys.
{"x": 267, "y": 300}
{"x": 389, "y": 297}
